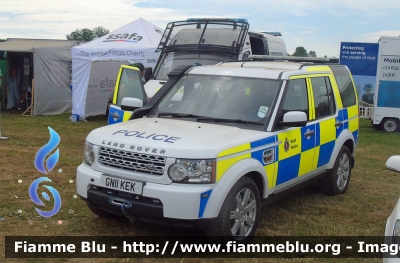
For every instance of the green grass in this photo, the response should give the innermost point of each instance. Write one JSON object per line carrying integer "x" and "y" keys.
{"x": 363, "y": 210}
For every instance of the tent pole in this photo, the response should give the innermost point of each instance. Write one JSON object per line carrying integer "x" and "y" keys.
{"x": 1, "y": 105}
{"x": 30, "y": 108}
{"x": 3, "y": 90}
{"x": 2, "y": 137}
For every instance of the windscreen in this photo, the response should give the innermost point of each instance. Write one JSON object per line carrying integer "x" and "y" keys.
{"x": 248, "y": 99}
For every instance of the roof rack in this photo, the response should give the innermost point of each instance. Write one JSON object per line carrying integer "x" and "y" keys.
{"x": 197, "y": 42}
{"x": 295, "y": 59}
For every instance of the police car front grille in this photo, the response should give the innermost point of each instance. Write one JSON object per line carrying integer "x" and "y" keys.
{"x": 132, "y": 161}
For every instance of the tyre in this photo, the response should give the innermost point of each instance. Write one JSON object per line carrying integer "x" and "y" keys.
{"x": 338, "y": 179}
{"x": 239, "y": 214}
{"x": 390, "y": 125}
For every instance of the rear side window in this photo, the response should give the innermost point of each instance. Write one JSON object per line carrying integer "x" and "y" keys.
{"x": 346, "y": 88}
{"x": 323, "y": 97}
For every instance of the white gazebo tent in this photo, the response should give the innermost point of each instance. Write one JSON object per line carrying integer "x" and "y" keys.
{"x": 95, "y": 64}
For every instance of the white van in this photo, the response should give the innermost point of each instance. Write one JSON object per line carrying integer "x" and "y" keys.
{"x": 387, "y": 102}
{"x": 267, "y": 43}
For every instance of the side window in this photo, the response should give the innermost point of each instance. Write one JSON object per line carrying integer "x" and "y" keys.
{"x": 296, "y": 98}
{"x": 257, "y": 46}
{"x": 323, "y": 97}
{"x": 346, "y": 87}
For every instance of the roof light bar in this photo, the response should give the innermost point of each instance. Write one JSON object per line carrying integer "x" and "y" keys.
{"x": 277, "y": 34}
{"x": 238, "y": 20}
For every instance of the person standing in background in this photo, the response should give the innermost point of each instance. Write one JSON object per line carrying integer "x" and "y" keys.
{"x": 367, "y": 99}
{"x": 24, "y": 84}
{"x": 13, "y": 82}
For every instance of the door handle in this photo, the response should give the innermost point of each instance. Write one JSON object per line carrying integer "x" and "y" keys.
{"x": 338, "y": 123}
{"x": 309, "y": 133}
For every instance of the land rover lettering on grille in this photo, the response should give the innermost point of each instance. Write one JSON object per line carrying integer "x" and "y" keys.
{"x": 133, "y": 147}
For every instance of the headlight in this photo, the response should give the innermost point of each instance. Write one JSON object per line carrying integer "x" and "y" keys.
{"x": 88, "y": 155}
{"x": 193, "y": 171}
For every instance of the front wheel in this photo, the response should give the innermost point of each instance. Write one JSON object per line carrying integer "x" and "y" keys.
{"x": 390, "y": 125}
{"x": 338, "y": 179}
{"x": 239, "y": 214}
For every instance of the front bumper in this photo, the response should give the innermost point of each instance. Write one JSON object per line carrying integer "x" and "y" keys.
{"x": 172, "y": 201}
{"x": 142, "y": 209}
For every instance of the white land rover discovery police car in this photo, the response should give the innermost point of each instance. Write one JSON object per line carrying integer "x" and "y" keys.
{"x": 217, "y": 142}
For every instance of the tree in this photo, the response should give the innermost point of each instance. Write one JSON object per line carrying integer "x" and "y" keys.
{"x": 86, "y": 34}
{"x": 300, "y": 52}
{"x": 312, "y": 54}
{"x": 100, "y": 31}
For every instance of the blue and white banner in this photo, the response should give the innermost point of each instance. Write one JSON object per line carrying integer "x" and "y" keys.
{"x": 362, "y": 60}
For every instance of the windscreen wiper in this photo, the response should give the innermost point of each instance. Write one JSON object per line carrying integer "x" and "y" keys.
{"x": 179, "y": 115}
{"x": 205, "y": 118}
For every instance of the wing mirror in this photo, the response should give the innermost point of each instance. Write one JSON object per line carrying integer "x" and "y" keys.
{"x": 393, "y": 163}
{"x": 294, "y": 119}
{"x": 131, "y": 104}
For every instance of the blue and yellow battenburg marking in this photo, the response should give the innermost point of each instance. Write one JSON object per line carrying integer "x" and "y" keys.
{"x": 294, "y": 153}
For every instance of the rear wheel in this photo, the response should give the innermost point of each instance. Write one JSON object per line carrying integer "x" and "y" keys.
{"x": 390, "y": 125}
{"x": 338, "y": 179}
{"x": 239, "y": 214}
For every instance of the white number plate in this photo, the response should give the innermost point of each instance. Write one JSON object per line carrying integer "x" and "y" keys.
{"x": 122, "y": 184}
